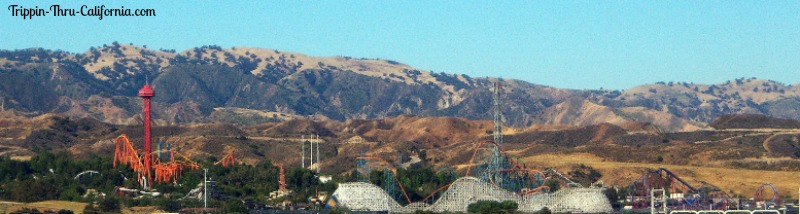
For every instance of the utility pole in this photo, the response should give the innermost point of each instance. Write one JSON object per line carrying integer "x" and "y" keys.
{"x": 303, "y": 156}
{"x": 311, "y": 143}
{"x": 205, "y": 189}
{"x": 318, "y": 164}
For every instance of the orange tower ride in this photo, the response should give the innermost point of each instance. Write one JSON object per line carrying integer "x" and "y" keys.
{"x": 146, "y": 93}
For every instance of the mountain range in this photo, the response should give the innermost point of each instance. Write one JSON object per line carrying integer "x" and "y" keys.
{"x": 248, "y": 86}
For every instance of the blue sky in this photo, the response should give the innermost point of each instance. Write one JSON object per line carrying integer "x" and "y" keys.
{"x": 568, "y": 44}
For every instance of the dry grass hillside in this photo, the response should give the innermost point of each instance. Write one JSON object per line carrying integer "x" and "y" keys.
{"x": 749, "y": 121}
{"x": 706, "y": 102}
{"x": 430, "y": 130}
{"x": 265, "y": 59}
{"x": 76, "y": 207}
{"x": 585, "y": 112}
{"x": 736, "y": 182}
{"x": 248, "y": 86}
{"x": 756, "y": 90}
{"x": 108, "y": 56}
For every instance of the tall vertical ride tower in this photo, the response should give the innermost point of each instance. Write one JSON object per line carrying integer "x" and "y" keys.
{"x": 146, "y": 93}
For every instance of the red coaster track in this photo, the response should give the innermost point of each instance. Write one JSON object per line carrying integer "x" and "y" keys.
{"x": 169, "y": 171}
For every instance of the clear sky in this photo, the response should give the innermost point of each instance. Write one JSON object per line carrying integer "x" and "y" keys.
{"x": 568, "y": 44}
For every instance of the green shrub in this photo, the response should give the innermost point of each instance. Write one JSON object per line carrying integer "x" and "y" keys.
{"x": 490, "y": 207}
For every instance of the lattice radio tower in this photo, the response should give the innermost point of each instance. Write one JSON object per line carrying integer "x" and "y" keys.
{"x": 389, "y": 184}
{"x": 498, "y": 114}
{"x": 497, "y": 161}
{"x": 361, "y": 164}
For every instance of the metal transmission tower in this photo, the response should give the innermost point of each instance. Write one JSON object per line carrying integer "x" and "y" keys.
{"x": 362, "y": 168}
{"x": 389, "y": 184}
{"x": 495, "y": 169}
{"x": 498, "y": 114}
{"x": 497, "y": 161}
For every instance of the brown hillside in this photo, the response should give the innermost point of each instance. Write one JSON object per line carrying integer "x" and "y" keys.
{"x": 248, "y": 86}
{"x": 435, "y": 141}
{"x": 297, "y": 127}
{"x": 571, "y": 137}
{"x": 429, "y": 130}
{"x": 753, "y": 121}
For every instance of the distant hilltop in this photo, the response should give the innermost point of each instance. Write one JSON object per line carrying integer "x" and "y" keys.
{"x": 251, "y": 85}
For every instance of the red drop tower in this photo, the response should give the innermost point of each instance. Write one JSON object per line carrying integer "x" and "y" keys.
{"x": 146, "y": 93}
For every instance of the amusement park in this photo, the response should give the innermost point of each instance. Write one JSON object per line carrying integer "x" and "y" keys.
{"x": 491, "y": 174}
{"x": 423, "y": 107}
{"x": 300, "y": 165}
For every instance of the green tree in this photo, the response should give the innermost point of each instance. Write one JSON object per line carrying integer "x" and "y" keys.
{"x": 235, "y": 206}
{"x": 492, "y": 207}
{"x": 169, "y": 205}
{"x": 509, "y": 205}
{"x": 27, "y": 211}
{"x": 109, "y": 204}
{"x": 65, "y": 212}
{"x": 553, "y": 185}
{"x": 613, "y": 195}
